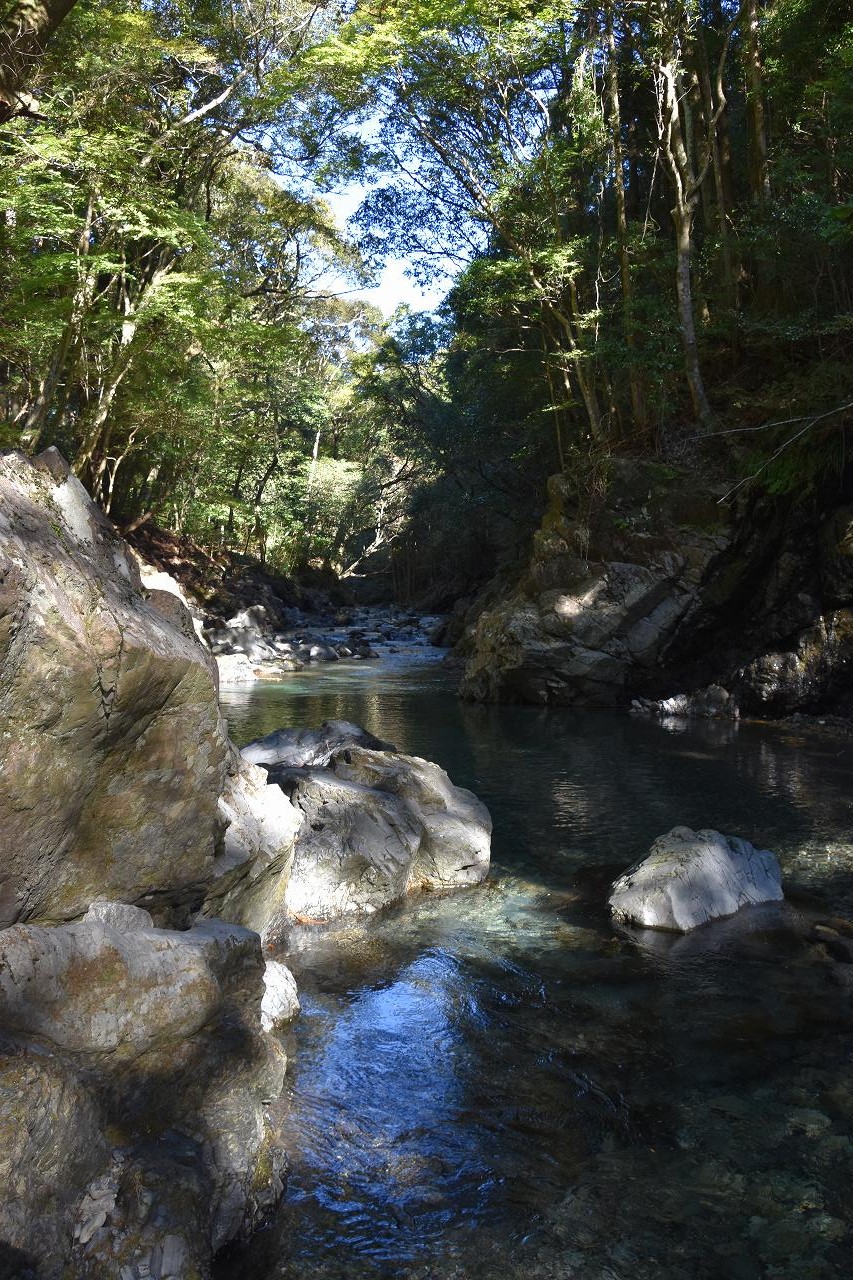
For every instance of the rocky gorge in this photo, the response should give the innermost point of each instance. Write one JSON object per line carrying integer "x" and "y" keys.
{"x": 147, "y": 867}
{"x": 665, "y": 596}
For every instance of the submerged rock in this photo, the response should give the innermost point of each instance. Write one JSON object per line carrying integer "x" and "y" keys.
{"x": 692, "y": 877}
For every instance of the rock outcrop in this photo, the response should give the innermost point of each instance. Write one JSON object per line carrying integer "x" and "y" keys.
{"x": 664, "y": 596}
{"x": 135, "y": 1060}
{"x": 113, "y": 754}
{"x": 116, "y": 775}
{"x": 377, "y": 824}
{"x": 692, "y": 877}
{"x": 135, "y": 1073}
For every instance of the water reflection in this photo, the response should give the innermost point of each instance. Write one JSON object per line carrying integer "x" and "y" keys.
{"x": 500, "y": 1083}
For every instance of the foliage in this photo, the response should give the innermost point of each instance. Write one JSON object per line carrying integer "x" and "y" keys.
{"x": 646, "y": 210}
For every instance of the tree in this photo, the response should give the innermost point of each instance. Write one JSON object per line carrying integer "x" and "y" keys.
{"x": 25, "y": 28}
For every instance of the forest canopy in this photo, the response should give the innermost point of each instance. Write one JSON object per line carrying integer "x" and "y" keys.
{"x": 644, "y": 211}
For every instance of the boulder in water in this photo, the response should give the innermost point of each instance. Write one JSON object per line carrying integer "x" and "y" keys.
{"x": 303, "y": 748}
{"x": 378, "y": 825}
{"x": 692, "y": 877}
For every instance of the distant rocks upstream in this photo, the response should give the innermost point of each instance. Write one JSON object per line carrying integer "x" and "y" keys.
{"x": 250, "y": 646}
{"x": 147, "y": 864}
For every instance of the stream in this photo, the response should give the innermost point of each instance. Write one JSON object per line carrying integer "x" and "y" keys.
{"x": 500, "y": 1083}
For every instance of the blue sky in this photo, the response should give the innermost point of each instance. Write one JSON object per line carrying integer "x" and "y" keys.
{"x": 394, "y": 286}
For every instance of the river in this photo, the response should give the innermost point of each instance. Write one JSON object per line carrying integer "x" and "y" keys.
{"x": 499, "y": 1083}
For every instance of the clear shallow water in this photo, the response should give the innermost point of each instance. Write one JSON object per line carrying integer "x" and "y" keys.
{"x": 498, "y": 1083}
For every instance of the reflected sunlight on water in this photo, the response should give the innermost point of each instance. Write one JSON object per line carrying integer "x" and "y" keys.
{"x": 498, "y": 1083}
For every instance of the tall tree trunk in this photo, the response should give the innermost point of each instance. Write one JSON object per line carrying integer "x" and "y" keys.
{"x": 759, "y": 172}
{"x": 685, "y": 187}
{"x": 638, "y": 400}
{"x": 90, "y": 460}
{"x": 25, "y": 28}
{"x": 683, "y": 219}
{"x": 720, "y": 198}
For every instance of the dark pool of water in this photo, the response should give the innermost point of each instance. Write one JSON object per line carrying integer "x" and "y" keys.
{"x": 499, "y": 1083}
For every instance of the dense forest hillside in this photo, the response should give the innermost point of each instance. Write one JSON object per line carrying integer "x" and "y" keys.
{"x": 643, "y": 215}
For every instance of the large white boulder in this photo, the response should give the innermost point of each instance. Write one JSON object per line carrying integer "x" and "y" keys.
{"x": 691, "y": 877}
{"x": 377, "y": 824}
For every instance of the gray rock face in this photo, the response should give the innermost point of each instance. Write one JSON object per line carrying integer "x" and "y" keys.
{"x": 99, "y": 988}
{"x": 377, "y": 825}
{"x": 251, "y": 872}
{"x": 112, "y": 753}
{"x": 303, "y": 748}
{"x": 603, "y": 596}
{"x": 134, "y": 1075}
{"x": 51, "y": 1146}
{"x": 663, "y": 596}
{"x": 692, "y": 877}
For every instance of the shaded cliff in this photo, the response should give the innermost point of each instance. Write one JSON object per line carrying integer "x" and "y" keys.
{"x": 663, "y": 589}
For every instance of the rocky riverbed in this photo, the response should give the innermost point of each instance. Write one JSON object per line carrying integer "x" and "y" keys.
{"x": 253, "y": 645}
{"x": 146, "y": 861}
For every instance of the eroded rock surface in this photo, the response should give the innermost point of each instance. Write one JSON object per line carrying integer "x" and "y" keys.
{"x": 112, "y": 753}
{"x": 280, "y": 1003}
{"x": 134, "y": 1073}
{"x": 663, "y": 595}
{"x": 377, "y": 824}
{"x": 692, "y": 877}
{"x": 252, "y": 869}
{"x": 302, "y": 748}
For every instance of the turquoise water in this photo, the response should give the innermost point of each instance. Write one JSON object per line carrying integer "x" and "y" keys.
{"x": 499, "y": 1083}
